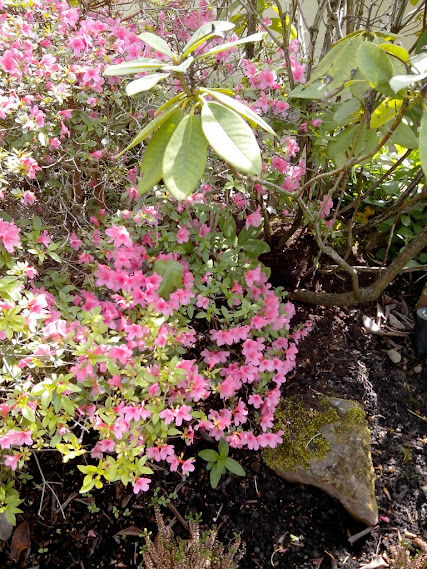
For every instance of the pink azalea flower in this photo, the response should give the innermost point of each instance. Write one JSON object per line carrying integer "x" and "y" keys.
{"x": 187, "y": 466}
{"x": 254, "y": 218}
{"x": 141, "y": 485}
{"x": 11, "y": 460}
{"x": 183, "y": 235}
{"x": 9, "y": 235}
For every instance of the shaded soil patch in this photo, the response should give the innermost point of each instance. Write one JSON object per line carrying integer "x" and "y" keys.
{"x": 283, "y": 525}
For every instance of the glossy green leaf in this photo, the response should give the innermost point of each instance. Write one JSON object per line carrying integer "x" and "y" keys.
{"x": 423, "y": 143}
{"x": 396, "y": 50}
{"x": 133, "y": 66}
{"x": 375, "y": 66}
{"x": 145, "y": 83}
{"x": 234, "y": 467}
{"x": 151, "y": 166}
{"x": 156, "y": 43}
{"x": 171, "y": 272}
{"x": 231, "y": 138}
{"x": 147, "y": 130}
{"x": 240, "y": 108}
{"x": 386, "y": 110}
{"x": 171, "y": 102}
{"x": 204, "y": 33}
{"x": 185, "y": 158}
{"x": 217, "y": 49}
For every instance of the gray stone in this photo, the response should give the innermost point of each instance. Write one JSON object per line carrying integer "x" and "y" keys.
{"x": 394, "y": 356}
{"x": 326, "y": 443}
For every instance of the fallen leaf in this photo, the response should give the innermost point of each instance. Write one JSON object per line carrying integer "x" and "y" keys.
{"x": 20, "y": 541}
{"x": 377, "y": 561}
{"x": 371, "y": 326}
{"x": 131, "y": 530}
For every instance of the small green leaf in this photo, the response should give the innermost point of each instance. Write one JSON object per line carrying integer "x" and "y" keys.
{"x": 223, "y": 448}
{"x": 234, "y": 467}
{"x": 216, "y": 472}
{"x": 209, "y": 455}
{"x": 231, "y": 138}
{"x": 423, "y": 143}
{"x": 156, "y": 43}
{"x": 185, "y": 158}
{"x": 228, "y": 226}
{"x": 171, "y": 272}
{"x": 151, "y": 166}
{"x": 133, "y": 66}
{"x": 375, "y": 66}
{"x": 255, "y": 247}
{"x": 144, "y": 83}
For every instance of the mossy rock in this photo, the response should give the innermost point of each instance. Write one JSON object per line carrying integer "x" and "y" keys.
{"x": 326, "y": 443}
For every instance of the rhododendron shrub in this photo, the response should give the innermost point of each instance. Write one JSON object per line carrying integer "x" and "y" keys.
{"x": 175, "y": 329}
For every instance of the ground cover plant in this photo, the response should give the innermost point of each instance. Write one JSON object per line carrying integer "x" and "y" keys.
{"x": 135, "y": 315}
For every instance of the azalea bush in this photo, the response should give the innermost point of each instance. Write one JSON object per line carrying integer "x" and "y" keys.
{"x": 172, "y": 329}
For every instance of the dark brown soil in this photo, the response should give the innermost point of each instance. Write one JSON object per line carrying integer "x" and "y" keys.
{"x": 283, "y": 525}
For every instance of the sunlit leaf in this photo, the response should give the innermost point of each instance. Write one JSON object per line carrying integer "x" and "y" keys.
{"x": 204, "y": 33}
{"x": 145, "y": 83}
{"x": 156, "y": 43}
{"x": 133, "y": 66}
{"x": 217, "y": 49}
{"x": 240, "y": 108}
{"x": 399, "y": 82}
{"x": 185, "y": 158}
{"x": 181, "y": 68}
{"x": 423, "y": 143}
{"x": 396, "y": 50}
{"x": 231, "y": 138}
{"x": 385, "y": 111}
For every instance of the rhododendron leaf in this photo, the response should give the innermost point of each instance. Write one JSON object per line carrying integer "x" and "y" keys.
{"x": 151, "y": 167}
{"x": 240, "y": 108}
{"x": 403, "y": 135}
{"x": 171, "y": 272}
{"x": 185, "y": 158}
{"x": 376, "y": 67}
{"x": 209, "y": 455}
{"x": 144, "y": 83}
{"x": 234, "y": 467}
{"x": 133, "y": 66}
{"x": 396, "y": 50}
{"x": 231, "y": 138}
{"x": 423, "y": 143}
{"x": 217, "y": 49}
{"x": 204, "y": 33}
{"x": 181, "y": 68}
{"x": 156, "y": 43}
{"x": 255, "y": 247}
{"x": 170, "y": 102}
{"x": 149, "y": 129}
{"x": 399, "y": 82}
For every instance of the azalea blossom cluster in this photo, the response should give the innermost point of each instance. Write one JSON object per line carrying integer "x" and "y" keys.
{"x": 172, "y": 333}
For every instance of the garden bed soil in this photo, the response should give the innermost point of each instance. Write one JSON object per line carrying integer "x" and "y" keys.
{"x": 283, "y": 525}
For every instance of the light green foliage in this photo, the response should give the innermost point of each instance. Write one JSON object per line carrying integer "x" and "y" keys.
{"x": 219, "y": 462}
